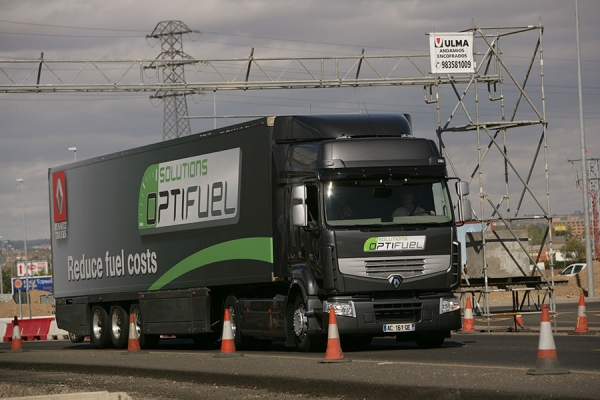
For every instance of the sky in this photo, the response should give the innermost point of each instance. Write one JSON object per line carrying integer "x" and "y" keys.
{"x": 36, "y": 130}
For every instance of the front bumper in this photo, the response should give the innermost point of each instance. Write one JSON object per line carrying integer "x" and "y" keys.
{"x": 370, "y": 316}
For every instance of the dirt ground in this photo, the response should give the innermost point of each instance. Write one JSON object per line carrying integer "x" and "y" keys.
{"x": 10, "y": 309}
{"x": 572, "y": 289}
{"x": 575, "y": 285}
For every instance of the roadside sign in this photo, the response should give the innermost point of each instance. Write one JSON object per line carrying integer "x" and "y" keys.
{"x": 43, "y": 283}
{"x": 451, "y": 53}
{"x": 35, "y": 267}
{"x": 23, "y": 297}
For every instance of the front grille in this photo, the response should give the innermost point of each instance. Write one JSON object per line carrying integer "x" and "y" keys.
{"x": 397, "y": 313}
{"x": 407, "y": 268}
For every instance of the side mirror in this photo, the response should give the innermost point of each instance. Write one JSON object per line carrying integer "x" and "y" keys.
{"x": 299, "y": 215}
{"x": 464, "y": 209}
{"x": 465, "y": 212}
{"x": 299, "y": 211}
{"x": 299, "y": 193}
{"x": 462, "y": 188}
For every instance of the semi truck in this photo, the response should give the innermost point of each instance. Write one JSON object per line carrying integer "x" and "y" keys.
{"x": 281, "y": 220}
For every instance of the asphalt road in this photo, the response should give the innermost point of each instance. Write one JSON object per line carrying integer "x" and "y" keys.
{"x": 468, "y": 366}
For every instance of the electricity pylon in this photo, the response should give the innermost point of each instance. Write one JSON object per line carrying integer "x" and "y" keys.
{"x": 171, "y": 34}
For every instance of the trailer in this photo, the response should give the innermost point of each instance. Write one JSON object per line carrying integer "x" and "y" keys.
{"x": 280, "y": 220}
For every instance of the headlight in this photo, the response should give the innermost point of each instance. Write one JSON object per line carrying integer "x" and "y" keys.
{"x": 449, "y": 304}
{"x": 345, "y": 309}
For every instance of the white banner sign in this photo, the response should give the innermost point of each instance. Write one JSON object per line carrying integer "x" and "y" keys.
{"x": 35, "y": 267}
{"x": 451, "y": 53}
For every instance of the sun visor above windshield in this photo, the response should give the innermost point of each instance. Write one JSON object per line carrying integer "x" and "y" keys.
{"x": 321, "y": 127}
{"x": 380, "y": 153}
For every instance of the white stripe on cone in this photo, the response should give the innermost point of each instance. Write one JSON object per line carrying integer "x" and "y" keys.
{"x": 227, "y": 331}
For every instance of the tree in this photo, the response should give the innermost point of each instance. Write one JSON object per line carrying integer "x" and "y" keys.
{"x": 574, "y": 249}
{"x": 6, "y": 282}
{"x": 536, "y": 233}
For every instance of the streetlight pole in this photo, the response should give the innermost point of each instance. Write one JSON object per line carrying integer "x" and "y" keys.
{"x": 74, "y": 150}
{"x": 25, "y": 245}
{"x": 586, "y": 208}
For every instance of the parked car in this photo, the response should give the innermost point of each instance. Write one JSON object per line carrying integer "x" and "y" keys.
{"x": 573, "y": 269}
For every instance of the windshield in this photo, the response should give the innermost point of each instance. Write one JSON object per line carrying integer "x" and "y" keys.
{"x": 390, "y": 202}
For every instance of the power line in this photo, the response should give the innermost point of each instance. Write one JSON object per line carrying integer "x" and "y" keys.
{"x": 71, "y": 27}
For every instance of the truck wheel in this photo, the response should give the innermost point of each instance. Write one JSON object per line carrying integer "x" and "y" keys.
{"x": 100, "y": 336}
{"x": 304, "y": 342}
{"x": 75, "y": 338}
{"x": 146, "y": 341}
{"x": 236, "y": 320}
{"x": 119, "y": 327}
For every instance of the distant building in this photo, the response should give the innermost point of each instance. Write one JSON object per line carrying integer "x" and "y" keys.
{"x": 576, "y": 222}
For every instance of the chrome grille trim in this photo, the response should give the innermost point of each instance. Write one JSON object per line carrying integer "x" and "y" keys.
{"x": 406, "y": 268}
{"x": 414, "y": 267}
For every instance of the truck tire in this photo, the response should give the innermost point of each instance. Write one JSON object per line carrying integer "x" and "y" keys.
{"x": 146, "y": 341}
{"x": 299, "y": 325}
{"x": 100, "y": 336}
{"x": 236, "y": 321}
{"x": 119, "y": 327}
{"x": 75, "y": 338}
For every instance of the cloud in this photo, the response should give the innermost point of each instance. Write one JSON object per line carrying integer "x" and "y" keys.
{"x": 37, "y": 129}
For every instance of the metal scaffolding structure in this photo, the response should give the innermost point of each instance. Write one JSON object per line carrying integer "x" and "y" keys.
{"x": 504, "y": 117}
{"x": 488, "y": 117}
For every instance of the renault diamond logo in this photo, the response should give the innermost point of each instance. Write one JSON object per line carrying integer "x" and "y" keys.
{"x": 395, "y": 280}
{"x": 59, "y": 196}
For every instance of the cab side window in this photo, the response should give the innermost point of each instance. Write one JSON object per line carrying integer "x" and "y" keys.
{"x": 312, "y": 205}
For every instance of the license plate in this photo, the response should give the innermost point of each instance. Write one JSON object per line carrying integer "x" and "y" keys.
{"x": 398, "y": 327}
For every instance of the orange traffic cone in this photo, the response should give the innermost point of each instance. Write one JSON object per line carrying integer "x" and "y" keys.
{"x": 547, "y": 362}
{"x": 334, "y": 348}
{"x": 468, "y": 323}
{"x": 582, "y": 322}
{"x": 227, "y": 338}
{"x": 17, "y": 342}
{"x": 519, "y": 321}
{"x": 133, "y": 344}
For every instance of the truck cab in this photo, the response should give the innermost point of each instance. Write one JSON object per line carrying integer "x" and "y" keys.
{"x": 372, "y": 233}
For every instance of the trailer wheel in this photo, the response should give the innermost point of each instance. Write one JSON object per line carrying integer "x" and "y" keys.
{"x": 100, "y": 336}
{"x": 299, "y": 324}
{"x": 236, "y": 320}
{"x": 75, "y": 338}
{"x": 119, "y": 327}
{"x": 146, "y": 341}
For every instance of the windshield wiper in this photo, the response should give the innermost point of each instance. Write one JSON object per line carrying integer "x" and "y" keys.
{"x": 370, "y": 228}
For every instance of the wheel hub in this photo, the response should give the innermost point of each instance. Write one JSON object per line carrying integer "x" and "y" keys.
{"x": 116, "y": 325}
{"x": 300, "y": 322}
{"x": 232, "y": 320}
{"x": 97, "y": 324}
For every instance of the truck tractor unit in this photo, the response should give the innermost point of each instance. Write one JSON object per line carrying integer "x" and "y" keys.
{"x": 281, "y": 220}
